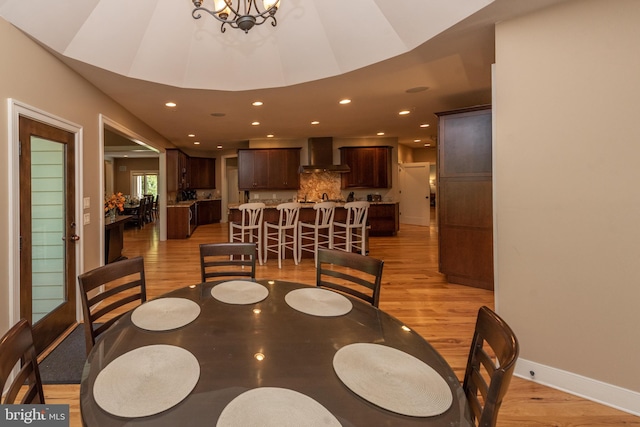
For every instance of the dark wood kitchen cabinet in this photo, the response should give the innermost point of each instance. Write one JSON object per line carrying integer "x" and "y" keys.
{"x": 177, "y": 170}
{"x": 370, "y": 167}
{"x": 465, "y": 215}
{"x": 268, "y": 169}
{"x": 202, "y": 171}
{"x": 209, "y": 211}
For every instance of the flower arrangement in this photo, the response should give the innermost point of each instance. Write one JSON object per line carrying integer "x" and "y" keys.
{"x": 114, "y": 201}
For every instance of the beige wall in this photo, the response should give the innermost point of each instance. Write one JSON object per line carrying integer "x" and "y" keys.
{"x": 566, "y": 175}
{"x": 122, "y": 178}
{"x": 32, "y": 76}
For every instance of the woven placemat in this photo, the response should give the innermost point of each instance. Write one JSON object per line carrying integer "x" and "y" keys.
{"x": 392, "y": 379}
{"x": 239, "y": 292}
{"x": 165, "y": 314}
{"x": 318, "y": 302}
{"x": 146, "y": 381}
{"x": 275, "y": 407}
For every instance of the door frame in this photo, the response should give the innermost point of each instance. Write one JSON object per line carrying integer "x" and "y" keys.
{"x": 162, "y": 172}
{"x": 17, "y": 109}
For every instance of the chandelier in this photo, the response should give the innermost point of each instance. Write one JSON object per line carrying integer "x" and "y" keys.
{"x": 242, "y": 14}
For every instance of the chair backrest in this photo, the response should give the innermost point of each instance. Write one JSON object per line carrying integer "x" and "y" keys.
{"x": 252, "y": 214}
{"x": 227, "y": 260}
{"x": 350, "y": 272}
{"x": 324, "y": 214}
{"x": 485, "y": 381}
{"x": 289, "y": 213}
{"x": 357, "y": 213}
{"x": 114, "y": 286}
{"x": 17, "y": 349}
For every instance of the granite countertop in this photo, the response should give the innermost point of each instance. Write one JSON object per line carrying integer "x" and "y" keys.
{"x": 273, "y": 204}
{"x": 188, "y": 203}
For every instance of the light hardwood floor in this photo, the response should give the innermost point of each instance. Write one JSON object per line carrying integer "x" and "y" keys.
{"x": 412, "y": 290}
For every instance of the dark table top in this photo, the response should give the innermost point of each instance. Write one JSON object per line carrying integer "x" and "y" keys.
{"x": 298, "y": 349}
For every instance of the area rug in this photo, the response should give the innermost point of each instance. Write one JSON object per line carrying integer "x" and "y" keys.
{"x": 65, "y": 363}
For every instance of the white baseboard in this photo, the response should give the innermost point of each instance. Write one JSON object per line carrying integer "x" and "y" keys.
{"x": 588, "y": 388}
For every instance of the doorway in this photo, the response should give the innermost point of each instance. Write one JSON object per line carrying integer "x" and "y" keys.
{"x": 414, "y": 194}
{"x": 48, "y": 229}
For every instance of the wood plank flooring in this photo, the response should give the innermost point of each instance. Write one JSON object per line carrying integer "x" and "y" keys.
{"x": 412, "y": 291}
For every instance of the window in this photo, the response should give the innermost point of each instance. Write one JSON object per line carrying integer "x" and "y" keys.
{"x": 144, "y": 182}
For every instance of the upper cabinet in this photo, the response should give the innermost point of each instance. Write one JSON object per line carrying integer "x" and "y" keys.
{"x": 370, "y": 167}
{"x": 184, "y": 172}
{"x": 177, "y": 171}
{"x": 202, "y": 171}
{"x": 268, "y": 169}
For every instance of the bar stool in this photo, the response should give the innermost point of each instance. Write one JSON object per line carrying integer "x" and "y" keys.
{"x": 277, "y": 239}
{"x": 352, "y": 233}
{"x": 309, "y": 237}
{"x": 249, "y": 229}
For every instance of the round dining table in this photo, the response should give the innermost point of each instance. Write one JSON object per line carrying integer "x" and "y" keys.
{"x": 266, "y": 344}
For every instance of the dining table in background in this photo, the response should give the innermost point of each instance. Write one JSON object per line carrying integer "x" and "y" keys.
{"x": 242, "y": 347}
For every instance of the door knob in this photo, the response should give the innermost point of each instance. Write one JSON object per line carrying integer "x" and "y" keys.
{"x": 74, "y": 237}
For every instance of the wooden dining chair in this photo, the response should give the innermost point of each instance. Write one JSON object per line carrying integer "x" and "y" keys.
{"x": 351, "y": 273}
{"x": 485, "y": 381}
{"x": 219, "y": 260}
{"x": 108, "y": 292}
{"x": 17, "y": 349}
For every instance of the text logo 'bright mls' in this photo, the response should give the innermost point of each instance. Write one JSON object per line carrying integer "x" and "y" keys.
{"x": 36, "y": 415}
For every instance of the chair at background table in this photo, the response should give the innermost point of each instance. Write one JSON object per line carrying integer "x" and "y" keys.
{"x": 227, "y": 260}
{"x": 311, "y": 237}
{"x": 352, "y": 232}
{"x": 249, "y": 229}
{"x": 361, "y": 274}
{"x": 138, "y": 217}
{"x": 485, "y": 399}
{"x": 124, "y": 286}
{"x": 16, "y": 348}
{"x": 284, "y": 234}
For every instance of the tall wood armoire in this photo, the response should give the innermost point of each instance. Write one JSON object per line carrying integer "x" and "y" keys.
{"x": 465, "y": 217}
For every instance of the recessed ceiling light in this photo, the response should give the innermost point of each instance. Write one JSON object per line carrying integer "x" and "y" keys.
{"x": 315, "y": 122}
{"x": 270, "y": 135}
{"x": 255, "y": 123}
{"x": 219, "y": 147}
{"x": 345, "y": 101}
{"x": 218, "y": 114}
{"x": 417, "y": 89}
{"x": 171, "y": 104}
{"x": 196, "y": 143}
{"x": 257, "y": 103}
{"x": 191, "y": 135}
{"x": 416, "y": 140}
{"x": 424, "y": 125}
{"x": 380, "y": 133}
{"x": 404, "y": 112}
{"x": 427, "y": 145}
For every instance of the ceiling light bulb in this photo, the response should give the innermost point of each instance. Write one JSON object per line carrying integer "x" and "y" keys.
{"x": 404, "y": 112}
{"x": 268, "y": 4}
{"x": 315, "y": 122}
{"x": 219, "y": 147}
{"x": 416, "y": 140}
{"x": 424, "y": 125}
{"x": 171, "y": 104}
{"x": 345, "y": 101}
{"x": 191, "y": 135}
{"x": 196, "y": 143}
{"x": 255, "y": 123}
{"x": 257, "y": 103}
{"x": 270, "y": 135}
{"x": 427, "y": 145}
{"x": 380, "y": 133}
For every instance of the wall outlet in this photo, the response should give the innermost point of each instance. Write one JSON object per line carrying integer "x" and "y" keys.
{"x": 87, "y": 219}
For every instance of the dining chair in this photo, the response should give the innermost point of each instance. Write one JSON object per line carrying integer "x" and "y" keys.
{"x": 17, "y": 350}
{"x": 319, "y": 234}
{"x": 108, "y": 292}
{"x": 351, "y": 273}
{"x": 283, "y": 235}
{"x": 249, "y": 229}
{"x": 140, "y": 214}
{"x": 489, "y": 368}
{"x": 227, "y": 260}
{"x": 352, "y": 233}
{"x": 154, "y": 208}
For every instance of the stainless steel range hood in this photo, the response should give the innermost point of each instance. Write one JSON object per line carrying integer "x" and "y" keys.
{"x": 321, "y": 157}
